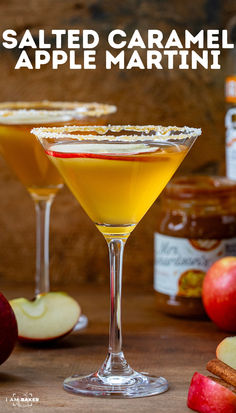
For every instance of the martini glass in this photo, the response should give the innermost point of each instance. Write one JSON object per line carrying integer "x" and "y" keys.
{"x": 27, "y": 159}
{"x": 116, "y": 173}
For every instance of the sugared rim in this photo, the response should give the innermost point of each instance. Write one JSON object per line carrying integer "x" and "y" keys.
{"x": 11, "y": 109}
{"x": 134, "y": 133}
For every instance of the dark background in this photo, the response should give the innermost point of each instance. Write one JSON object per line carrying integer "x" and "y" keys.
{"x": 195, "y": 98}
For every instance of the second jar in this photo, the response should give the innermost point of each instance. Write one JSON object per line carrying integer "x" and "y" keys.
{"x": 196, "y": 226}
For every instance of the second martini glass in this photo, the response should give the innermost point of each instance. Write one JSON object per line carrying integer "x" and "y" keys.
{"x": 26, "y": 157}
{"x": 116, "y": 173}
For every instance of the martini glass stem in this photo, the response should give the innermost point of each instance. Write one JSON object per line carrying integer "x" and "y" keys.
{"x": 116, "y": 250}
{"x": 42, "y": 209}
{"x": 115, "y": 368}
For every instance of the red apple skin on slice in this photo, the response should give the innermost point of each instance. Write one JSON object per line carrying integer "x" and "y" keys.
{"x": 219, "y": 293}
{"x": 207, "y": 396}
{"x": 49, "y": 317}
{"x": 9, "y": 333}
{"x": 29, "y": 340}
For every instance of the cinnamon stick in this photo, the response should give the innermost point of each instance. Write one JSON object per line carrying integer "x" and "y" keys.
{"x": 223, "y": 383}
{"x": 222, "y": 370}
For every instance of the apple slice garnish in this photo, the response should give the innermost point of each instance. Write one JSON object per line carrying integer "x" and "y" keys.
{"x": 206, "y": 395}
{"x": 226, "y": 351}
{"x": 115, "y": 151}
{"x": 48, "y": 317}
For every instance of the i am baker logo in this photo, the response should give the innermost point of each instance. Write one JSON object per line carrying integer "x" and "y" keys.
{"x": 21, "y": 399}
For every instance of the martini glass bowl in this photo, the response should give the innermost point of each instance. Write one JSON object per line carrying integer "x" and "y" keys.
{"x": 27, "y": 160}
{"x": 116, "y": 173}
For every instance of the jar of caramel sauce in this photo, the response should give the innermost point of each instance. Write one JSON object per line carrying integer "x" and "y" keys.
{"x": 196, "y": 226}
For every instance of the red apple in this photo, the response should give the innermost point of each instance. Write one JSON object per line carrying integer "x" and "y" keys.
{"x": 207, "y": 396}
{"x": 9, "y": 332}
{"x": 219, "y": 293}
{"x": 48, "y": 317}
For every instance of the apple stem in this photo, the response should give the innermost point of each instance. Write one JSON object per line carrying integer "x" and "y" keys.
{"x": 42, "y": 208}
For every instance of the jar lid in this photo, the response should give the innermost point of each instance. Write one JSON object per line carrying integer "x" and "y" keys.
{"x": 200, "y": 187}
{"x": 230, "y": 89}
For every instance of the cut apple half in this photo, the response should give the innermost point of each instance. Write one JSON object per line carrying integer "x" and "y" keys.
{"x": 48, "y": 317}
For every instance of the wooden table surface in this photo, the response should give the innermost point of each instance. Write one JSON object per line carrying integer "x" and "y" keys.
{"x": 153, "y": 342}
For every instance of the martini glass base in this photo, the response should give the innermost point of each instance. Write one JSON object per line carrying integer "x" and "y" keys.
{"x": 119, "y": 387}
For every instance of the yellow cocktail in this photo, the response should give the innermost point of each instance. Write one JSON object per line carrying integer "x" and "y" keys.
{"x": 21, "y": 149}
{"x": 116, "y": 189}
{"x": 27, "y": 159}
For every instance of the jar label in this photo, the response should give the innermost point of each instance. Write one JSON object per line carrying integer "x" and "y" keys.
{"x": 181, "y": 263}
{"x": 231, "y": 153}
{"x": 230, "y": 149}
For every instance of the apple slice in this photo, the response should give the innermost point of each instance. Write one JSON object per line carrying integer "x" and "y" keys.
{"x": 49, "y": 316}
{"x": 114, "y": 151}
{"x": 209, "y": 396}
{"x": 226, "y": 351}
